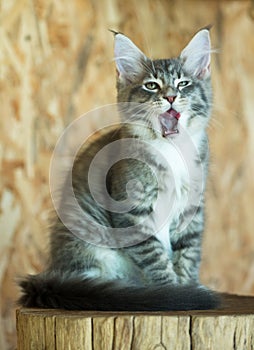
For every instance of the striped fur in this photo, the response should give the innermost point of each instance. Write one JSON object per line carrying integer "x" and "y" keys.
{"x": 154, "y": 264}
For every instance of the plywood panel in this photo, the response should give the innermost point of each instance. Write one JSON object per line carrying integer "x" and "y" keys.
{"x": 56, "y": 64}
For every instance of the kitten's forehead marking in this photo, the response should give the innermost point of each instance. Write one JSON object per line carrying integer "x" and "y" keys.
{"x": 167, "y": 73}
{"x": 168, "y": 70}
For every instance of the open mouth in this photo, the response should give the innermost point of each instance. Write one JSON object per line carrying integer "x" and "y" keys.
{"x": 169, "y": 121}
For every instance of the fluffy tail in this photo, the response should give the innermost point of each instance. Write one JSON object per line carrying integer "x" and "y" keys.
{"x": 51, "y": 291}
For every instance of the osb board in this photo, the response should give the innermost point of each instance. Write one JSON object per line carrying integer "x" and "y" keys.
{"x": 56, "y": 64}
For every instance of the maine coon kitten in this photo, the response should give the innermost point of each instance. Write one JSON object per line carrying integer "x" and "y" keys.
{"x": 146, "y": 257}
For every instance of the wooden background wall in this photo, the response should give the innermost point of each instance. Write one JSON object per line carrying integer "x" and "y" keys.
{"x": 56, "y": 64}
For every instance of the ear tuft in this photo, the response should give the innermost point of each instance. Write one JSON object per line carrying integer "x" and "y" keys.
{"x": 196, "y": 55}
{"x": 114, "y": 31}
{"x": 129, "y": 58}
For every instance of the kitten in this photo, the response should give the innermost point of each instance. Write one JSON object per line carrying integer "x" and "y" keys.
{"x": 137, "y": 243}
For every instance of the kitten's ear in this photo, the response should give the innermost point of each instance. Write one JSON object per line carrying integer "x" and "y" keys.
{"x": 196, "y": 55}
{"x": 129, "y": 59}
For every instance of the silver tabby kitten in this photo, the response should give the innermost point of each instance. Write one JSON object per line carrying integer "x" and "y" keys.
{"x": 149, "y": 227}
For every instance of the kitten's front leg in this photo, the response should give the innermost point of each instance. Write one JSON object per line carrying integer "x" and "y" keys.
{"x": 152, "y": 259}
{"x": 141, "y": 221}
{"x": 186, "y": 246}
{"x": 143, "y": 249}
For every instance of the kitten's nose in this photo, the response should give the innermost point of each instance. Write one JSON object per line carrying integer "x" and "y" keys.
{"x": 170, "y": 99}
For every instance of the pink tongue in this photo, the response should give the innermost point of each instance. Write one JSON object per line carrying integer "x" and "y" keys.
{"x": 169, "y": 121}
{"x": 173, "y": 113}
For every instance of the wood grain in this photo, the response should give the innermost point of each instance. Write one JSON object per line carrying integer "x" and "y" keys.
{"x": 56, "y": 64}
{"x": 231, "y": 327}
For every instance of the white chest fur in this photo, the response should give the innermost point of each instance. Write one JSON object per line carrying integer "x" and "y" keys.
{"x": 179, "y": 155}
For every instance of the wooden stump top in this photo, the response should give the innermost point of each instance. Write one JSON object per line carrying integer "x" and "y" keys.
{"x": 228, "y": 328}
{"x": 231, "y": 305}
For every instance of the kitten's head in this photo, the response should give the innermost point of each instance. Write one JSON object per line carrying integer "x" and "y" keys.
{"x": 175, "y": 90}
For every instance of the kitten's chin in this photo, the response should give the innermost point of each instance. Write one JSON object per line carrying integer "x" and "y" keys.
{"x": 169, "y": 122}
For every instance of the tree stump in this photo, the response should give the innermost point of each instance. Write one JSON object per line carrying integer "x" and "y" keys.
{"x": 230, "y": 327}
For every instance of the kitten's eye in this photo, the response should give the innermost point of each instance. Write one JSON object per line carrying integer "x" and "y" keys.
{"x": 183, "y": 84}
{"x": 151, "y": 85}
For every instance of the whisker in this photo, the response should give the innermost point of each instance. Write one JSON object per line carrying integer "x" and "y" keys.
{"x": 213, "y": 122}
